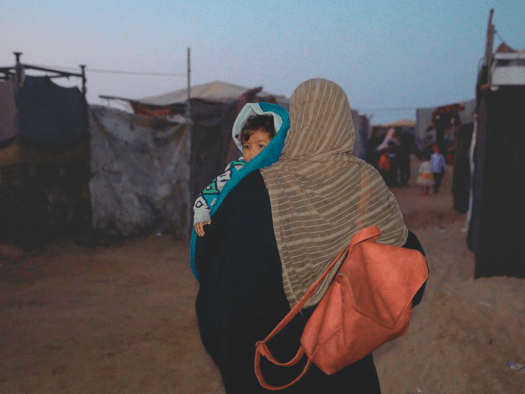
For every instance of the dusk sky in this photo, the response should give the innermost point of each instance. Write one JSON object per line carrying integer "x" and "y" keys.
{"x": 386, "y": 55}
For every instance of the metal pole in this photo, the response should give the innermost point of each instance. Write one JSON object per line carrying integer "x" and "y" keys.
{"x": 18, "y": 69}
{"x": 188, "y": 107}
{"x": 83, "y": 68}
{"x": 489, "y": 46}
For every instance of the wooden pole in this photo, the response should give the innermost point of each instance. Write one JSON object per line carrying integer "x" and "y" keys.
{"x": 84, "y": 90}
{"x": 188, "y": 107}
{"x": 18, "y": 69}
{"x": 489, "y": 46}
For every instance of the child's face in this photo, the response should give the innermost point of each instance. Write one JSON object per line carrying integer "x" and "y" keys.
{"x": 257, "y": 142}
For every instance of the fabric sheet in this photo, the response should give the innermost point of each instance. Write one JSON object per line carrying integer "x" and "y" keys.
{"x": 8, "y": 126}
{"x": 498, "y": 212}
{"x": 51, "y": 114}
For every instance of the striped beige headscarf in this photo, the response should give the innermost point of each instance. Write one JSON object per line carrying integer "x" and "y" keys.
{"x": 320, "y": 193}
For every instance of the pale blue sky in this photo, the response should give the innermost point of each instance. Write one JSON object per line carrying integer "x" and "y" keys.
{"x": 385, "y": 54}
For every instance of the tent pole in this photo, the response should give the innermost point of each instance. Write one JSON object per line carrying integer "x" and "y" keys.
{"x": 83, "y": 72}
{"x": 18, "y": 69}
{"x": 188, "y": 109}
{"x": 489, "y": 45}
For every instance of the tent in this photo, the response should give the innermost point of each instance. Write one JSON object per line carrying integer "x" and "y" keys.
{"x": 216, "y": 91}
{"x": 496, "y": 230}
{"x": 224, "y": 92}
{"x": 125, "y": 200}
{"x": 44, "y": 160}
{"x": 401, "y": 123}
{"x": 426, "y": 133}
{"x": 134, "y": 194}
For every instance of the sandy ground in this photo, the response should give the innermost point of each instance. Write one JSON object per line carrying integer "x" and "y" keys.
{"x": 119, "y": 318}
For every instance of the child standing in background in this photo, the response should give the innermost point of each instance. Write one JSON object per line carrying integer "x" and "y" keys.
{"x": 425, "y": 178}
{"x": 439, "y": 166}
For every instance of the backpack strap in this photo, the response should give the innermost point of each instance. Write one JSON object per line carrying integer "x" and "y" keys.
{"x": 262, "y": 349}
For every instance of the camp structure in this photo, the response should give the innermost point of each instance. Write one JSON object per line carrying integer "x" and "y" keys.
{"x": 140, "y": 173}
{"x": 434, "y": 124}
{"x": 496, "y": 212}
{"x": 149, "y": 166}
{"x": 147, "y": 175}
{"x": 44, "y": 155}
{"x": 406, "y": 123}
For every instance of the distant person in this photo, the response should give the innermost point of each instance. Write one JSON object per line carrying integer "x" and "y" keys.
{"x": 407, "y": 141}
{"x": 393, "y": 155}
{"x": 439, "y": 166}
{"x": 251, "y": 135}
{"x": 391, "y": 136}
{"x": 383, "y": 165}
{"x": 387, "y": 162}
{"x": 425, "y": 177}
{"x": 372, "y": 155}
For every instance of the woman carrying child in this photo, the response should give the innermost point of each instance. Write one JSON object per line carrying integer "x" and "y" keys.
{"x": 276, "y": 231}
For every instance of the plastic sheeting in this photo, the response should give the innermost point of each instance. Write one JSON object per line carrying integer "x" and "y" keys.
{"x": 362, "y": 130}
{"x": 141, "y": 174}
{"x": 51, "y": 114}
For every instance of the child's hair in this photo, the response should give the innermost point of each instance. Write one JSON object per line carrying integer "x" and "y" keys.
{"x": 426, "y": 156}
{"x": 256, "y": 123}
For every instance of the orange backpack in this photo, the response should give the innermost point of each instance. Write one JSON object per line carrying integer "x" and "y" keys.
{"x": 367, "y": 304}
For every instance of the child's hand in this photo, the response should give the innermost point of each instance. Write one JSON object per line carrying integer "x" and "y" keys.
{"x": 199, "y": 228}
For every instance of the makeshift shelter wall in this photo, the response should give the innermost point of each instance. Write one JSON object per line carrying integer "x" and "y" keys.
{"x": 496, "y": 227}
{"x": 8, "y": 112}
{"x": 424, "y": 120}
{"x": 362, "y": 130}
{"x": 141, "y": 174}
{"x": 44, "y": 161}
{"x": 43, "y": 190}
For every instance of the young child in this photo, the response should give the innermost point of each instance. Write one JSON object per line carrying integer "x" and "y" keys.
{"x": 425, "y": 178}
{"x": 439, "y": 166}
{"x": 251, "y": 136}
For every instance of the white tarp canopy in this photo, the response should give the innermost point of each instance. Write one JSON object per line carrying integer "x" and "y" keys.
{"x": 216, "y": 91}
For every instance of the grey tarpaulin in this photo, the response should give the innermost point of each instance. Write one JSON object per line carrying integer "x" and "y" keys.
{"x": 140, "y": 174}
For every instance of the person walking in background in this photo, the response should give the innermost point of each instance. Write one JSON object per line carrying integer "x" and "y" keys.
{"x": 425, "y": 178}
{"x": 439, "y": 166}
{"x": 392, "y": 152}
{"x": 372, "y": 155}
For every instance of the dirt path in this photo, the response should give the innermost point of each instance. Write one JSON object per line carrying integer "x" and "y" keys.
{"x": 120, "y": 318}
